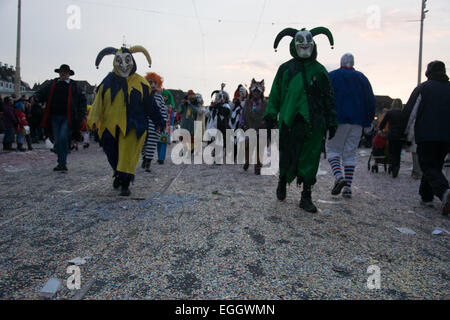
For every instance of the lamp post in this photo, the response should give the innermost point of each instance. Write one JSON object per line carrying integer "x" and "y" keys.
{"x": 17, "y": 82}
{"x": 422, "y": 17}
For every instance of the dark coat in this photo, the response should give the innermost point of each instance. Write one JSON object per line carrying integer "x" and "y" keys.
{"x": 433, "y": 115}
{"x": 36, "y": 115}
{"x": 76, "y": 107}
{"x": 9, "y": 119}
{"x": 397, "y": 124}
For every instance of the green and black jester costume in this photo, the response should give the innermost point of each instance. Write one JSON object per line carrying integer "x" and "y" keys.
{"x": 302, "y": 100}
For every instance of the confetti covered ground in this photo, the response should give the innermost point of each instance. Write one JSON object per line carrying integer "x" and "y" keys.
{"x": 213, "y": 232}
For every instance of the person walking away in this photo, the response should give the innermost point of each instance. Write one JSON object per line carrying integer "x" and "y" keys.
{"x": 355, "y": 109}
{"x": 395, "y": 135}
{"x": 432, "y": 133}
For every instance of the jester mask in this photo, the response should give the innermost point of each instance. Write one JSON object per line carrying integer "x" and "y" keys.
{"x": 124, "y": 63}
{"x": 303, "y": 41}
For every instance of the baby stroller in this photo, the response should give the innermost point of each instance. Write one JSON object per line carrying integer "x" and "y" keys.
{"x": 380, "y": 153}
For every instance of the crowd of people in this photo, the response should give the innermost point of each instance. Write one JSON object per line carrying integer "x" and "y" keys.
{"x": 21, "y": 123}
{"x": 315, "y": 111}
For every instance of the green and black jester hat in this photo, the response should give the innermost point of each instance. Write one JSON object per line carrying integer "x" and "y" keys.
{"x": 302, "y": 45}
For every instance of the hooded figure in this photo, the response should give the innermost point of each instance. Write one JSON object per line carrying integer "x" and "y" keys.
{"x": 302, "y": 103}
{"x": 429, "y": 106}
{"x": 120, "y": 110}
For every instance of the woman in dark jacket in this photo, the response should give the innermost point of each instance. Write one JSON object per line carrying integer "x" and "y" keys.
{"x": 395, "y": 118}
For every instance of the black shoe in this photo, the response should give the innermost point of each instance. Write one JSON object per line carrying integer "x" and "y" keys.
{"x": 281, "y": 190}
{"x": 395, "y": 171}
{"x": 347, "y": 193}
{"x": 125, "y": 191}
{"x": 21, "y": 148}
{"x": 306, "y": 202}
{"x": 60, "y": 168}
{"x": 246, "y": 166}
{"x": 147, "y": 166}
{"x": 116, "y": 183}
{"x": 338, "y": 185}
{"x": 258, "y": 171}
{"x": 161, "y": 161}
{"x": 144, "y": 163}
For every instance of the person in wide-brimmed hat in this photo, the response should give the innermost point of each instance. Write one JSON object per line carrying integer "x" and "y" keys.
{"x": 65, "y": 69}
{"x": 64, "y": 111}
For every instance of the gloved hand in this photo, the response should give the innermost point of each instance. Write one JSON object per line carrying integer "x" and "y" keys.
{"x": 331, "y": 132}
{"x": 269, "y": 123}
{"x": 27, "y": 130}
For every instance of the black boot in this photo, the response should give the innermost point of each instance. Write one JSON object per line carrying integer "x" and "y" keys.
{"x": 144, "y": 163}
{"x": 306, "y": 201}
{"x": 395, "y": 171}
{"x": 147, "y": 166}
{"x": 116, "y": 183}
{"x": 20, "y": 148}
{"x": 28, "y": 139}
{"x": 125, "y": 192}
{"x": 281, "y": 189}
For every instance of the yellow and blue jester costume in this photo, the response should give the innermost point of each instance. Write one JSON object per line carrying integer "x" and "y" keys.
{"x": 121, "y": 107}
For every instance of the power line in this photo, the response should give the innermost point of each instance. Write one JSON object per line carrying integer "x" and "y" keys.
{"x": 257, "y": 26}
{"x": 202, "y": 34}
{"x": 195, "y": 17}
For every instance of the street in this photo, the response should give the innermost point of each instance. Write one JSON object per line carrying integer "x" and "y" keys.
{"x": 213, "y": 232}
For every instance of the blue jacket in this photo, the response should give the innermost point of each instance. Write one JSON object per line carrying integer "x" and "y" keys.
{"x": 355, "y": 102}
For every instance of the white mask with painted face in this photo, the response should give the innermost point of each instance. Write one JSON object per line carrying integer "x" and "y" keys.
{"x": 304, "y": 44}
{"x": 123, "y": 63}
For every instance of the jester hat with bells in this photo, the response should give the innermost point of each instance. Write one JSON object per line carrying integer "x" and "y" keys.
{"x": 134, "y": 87}
{"x": 302, "y": 45}
{"x": 220, "y": 96}
{"x": 124, "y": 63}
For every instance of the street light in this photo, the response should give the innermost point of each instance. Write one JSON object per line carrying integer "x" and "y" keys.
{"x": 17, "y": 82}
{"x": 422, "y": 17}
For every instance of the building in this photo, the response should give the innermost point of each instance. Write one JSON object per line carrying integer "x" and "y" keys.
{"x": 7, "y": 75}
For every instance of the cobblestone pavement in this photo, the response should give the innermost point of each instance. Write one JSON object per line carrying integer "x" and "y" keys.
{"x": 213, "y": 232}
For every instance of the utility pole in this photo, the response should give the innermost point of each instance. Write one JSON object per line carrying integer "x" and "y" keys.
{"x": 17, "y": 82}
{"x": 422, "y": 17}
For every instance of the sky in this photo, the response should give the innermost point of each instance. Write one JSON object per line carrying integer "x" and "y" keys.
{"x": 198, "y": 44}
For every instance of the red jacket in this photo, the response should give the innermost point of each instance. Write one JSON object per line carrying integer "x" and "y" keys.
{"x": 21, "y": 118}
